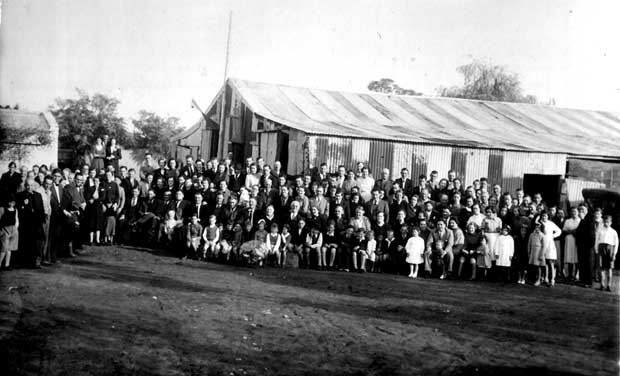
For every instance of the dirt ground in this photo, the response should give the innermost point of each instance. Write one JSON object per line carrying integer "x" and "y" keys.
{"x": 119, "y": 311}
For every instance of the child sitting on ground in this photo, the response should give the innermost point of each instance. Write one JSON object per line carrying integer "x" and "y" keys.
{"x": 284, "y": 245}
{"x": 437, "y": 255}
{"x": 226, "y": 242}
{"x": 194, "y": 230}
{"x": 211, "y": 237}
{"x": 330, "y": 244}
{"x": 168, "y": 228}
{"x": 357, "y": 251}
{"x": 368, "y": 251}
{"x": 273, "y": 243}
{"x": 314, "y": 242}
{"x": 237, "y": 241}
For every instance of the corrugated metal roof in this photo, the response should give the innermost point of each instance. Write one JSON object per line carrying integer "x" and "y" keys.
{"x": 445, "y": 121}
{"x": 25, "y": 119}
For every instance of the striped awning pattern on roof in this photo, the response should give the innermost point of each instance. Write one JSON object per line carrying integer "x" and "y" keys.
{"x": 442, "y": 121}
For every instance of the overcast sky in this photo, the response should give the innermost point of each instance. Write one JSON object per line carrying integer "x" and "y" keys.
{"x": 157, "y": 55}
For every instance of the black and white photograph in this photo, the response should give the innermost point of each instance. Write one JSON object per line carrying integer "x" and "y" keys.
{"x": 371, "y": 187}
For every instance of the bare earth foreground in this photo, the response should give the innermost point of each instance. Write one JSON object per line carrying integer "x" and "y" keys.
{"x": 119, "y": 311}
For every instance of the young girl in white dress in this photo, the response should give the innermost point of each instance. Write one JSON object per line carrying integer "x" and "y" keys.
{"x": 415, "y": 250}
{"x": 504, "y": 251}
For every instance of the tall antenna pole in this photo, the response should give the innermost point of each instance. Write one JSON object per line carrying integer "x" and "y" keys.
{"x": 227, "y": 46}
{"x": 223, "y": 130}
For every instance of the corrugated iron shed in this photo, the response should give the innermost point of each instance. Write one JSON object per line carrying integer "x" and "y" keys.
{"x": 436, "y": 121}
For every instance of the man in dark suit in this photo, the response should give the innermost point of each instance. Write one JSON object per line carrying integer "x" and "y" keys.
{"x": 57, "y": 218}
{"x": 200, "y": 209}
{"x": 376, "y": 205}
{"x": 180, "y": 207}
{"x": 251, "y": 213}
{"x": 267, "y": 175}
{"x": 151, "y": 214}
{"x": 73, "y": 205}
{"x": 232, "y": 212}
{"x": 339, "y": 200}
{"x": 282, "y": 204}
{"x": 322, "y": 174}
{"x": 405, "y": 183}
{"x": 31, "y": 221}
{"x": 130, "y": 182}
{"x": 129, "y": 216}
{"x": 422, "y": 184}
{"x": 236, "y": 180}
{"x": 385, "y": 184}
{"x": 161, "y": 170}
{"x": 189, "y": 170}
{"x": 167, "y": 203}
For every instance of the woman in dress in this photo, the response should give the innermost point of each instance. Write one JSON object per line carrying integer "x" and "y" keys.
{"x": 535, "y": 250}
{"x": 470, "y": 247}
{"x": 9, "y": 235}
{"x": 98, "y": 155}
{"x": 94, "y": 212}
{"x": 570, "y": 244}
{"x": 551, "y": 231}
{"x": 491, "y": 227}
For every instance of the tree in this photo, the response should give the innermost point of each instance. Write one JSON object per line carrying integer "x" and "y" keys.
{"x": 89, "y": 116}
{"x": 490, "y": 82}
{"x": 154, "y": 132}
{"x": 387, "y": 85}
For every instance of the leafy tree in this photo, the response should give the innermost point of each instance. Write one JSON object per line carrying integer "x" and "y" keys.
{"x": 90, "y": 116}
{"x": 488, "y": 81}
{"x": 154, "y": 132}
{"x": 387, "y": 85}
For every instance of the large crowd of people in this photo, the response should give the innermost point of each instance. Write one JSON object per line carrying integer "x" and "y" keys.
{"x": 331, "y": 218}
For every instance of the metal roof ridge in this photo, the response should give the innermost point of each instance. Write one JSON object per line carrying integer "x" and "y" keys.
{"x": 423, "y": 96}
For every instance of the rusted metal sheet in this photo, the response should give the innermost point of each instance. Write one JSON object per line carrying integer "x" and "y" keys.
{"x": 402, "y": 158}
{"x": 380, "y": 157}
{"x": 440, "y": 121}
{"x": 496, "y": 166}
{"x": 458, "y": 162}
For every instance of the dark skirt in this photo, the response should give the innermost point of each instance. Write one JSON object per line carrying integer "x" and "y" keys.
{"x": 94, "y": 216}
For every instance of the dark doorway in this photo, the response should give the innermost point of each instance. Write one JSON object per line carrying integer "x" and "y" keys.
{"x": 215, "y": 138}
{"x": 237, "y": 150}
{"x": 282, "y": 153}
{"x": 547, "y": 185}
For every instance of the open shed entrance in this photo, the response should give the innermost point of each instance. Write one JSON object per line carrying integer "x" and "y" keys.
{"x": 549, "y": 186}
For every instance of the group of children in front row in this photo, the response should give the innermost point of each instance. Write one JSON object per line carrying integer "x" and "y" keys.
{"x": 360, "y": 251}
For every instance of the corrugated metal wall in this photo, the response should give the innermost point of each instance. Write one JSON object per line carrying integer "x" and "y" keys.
{"x": 504, "y": 167}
